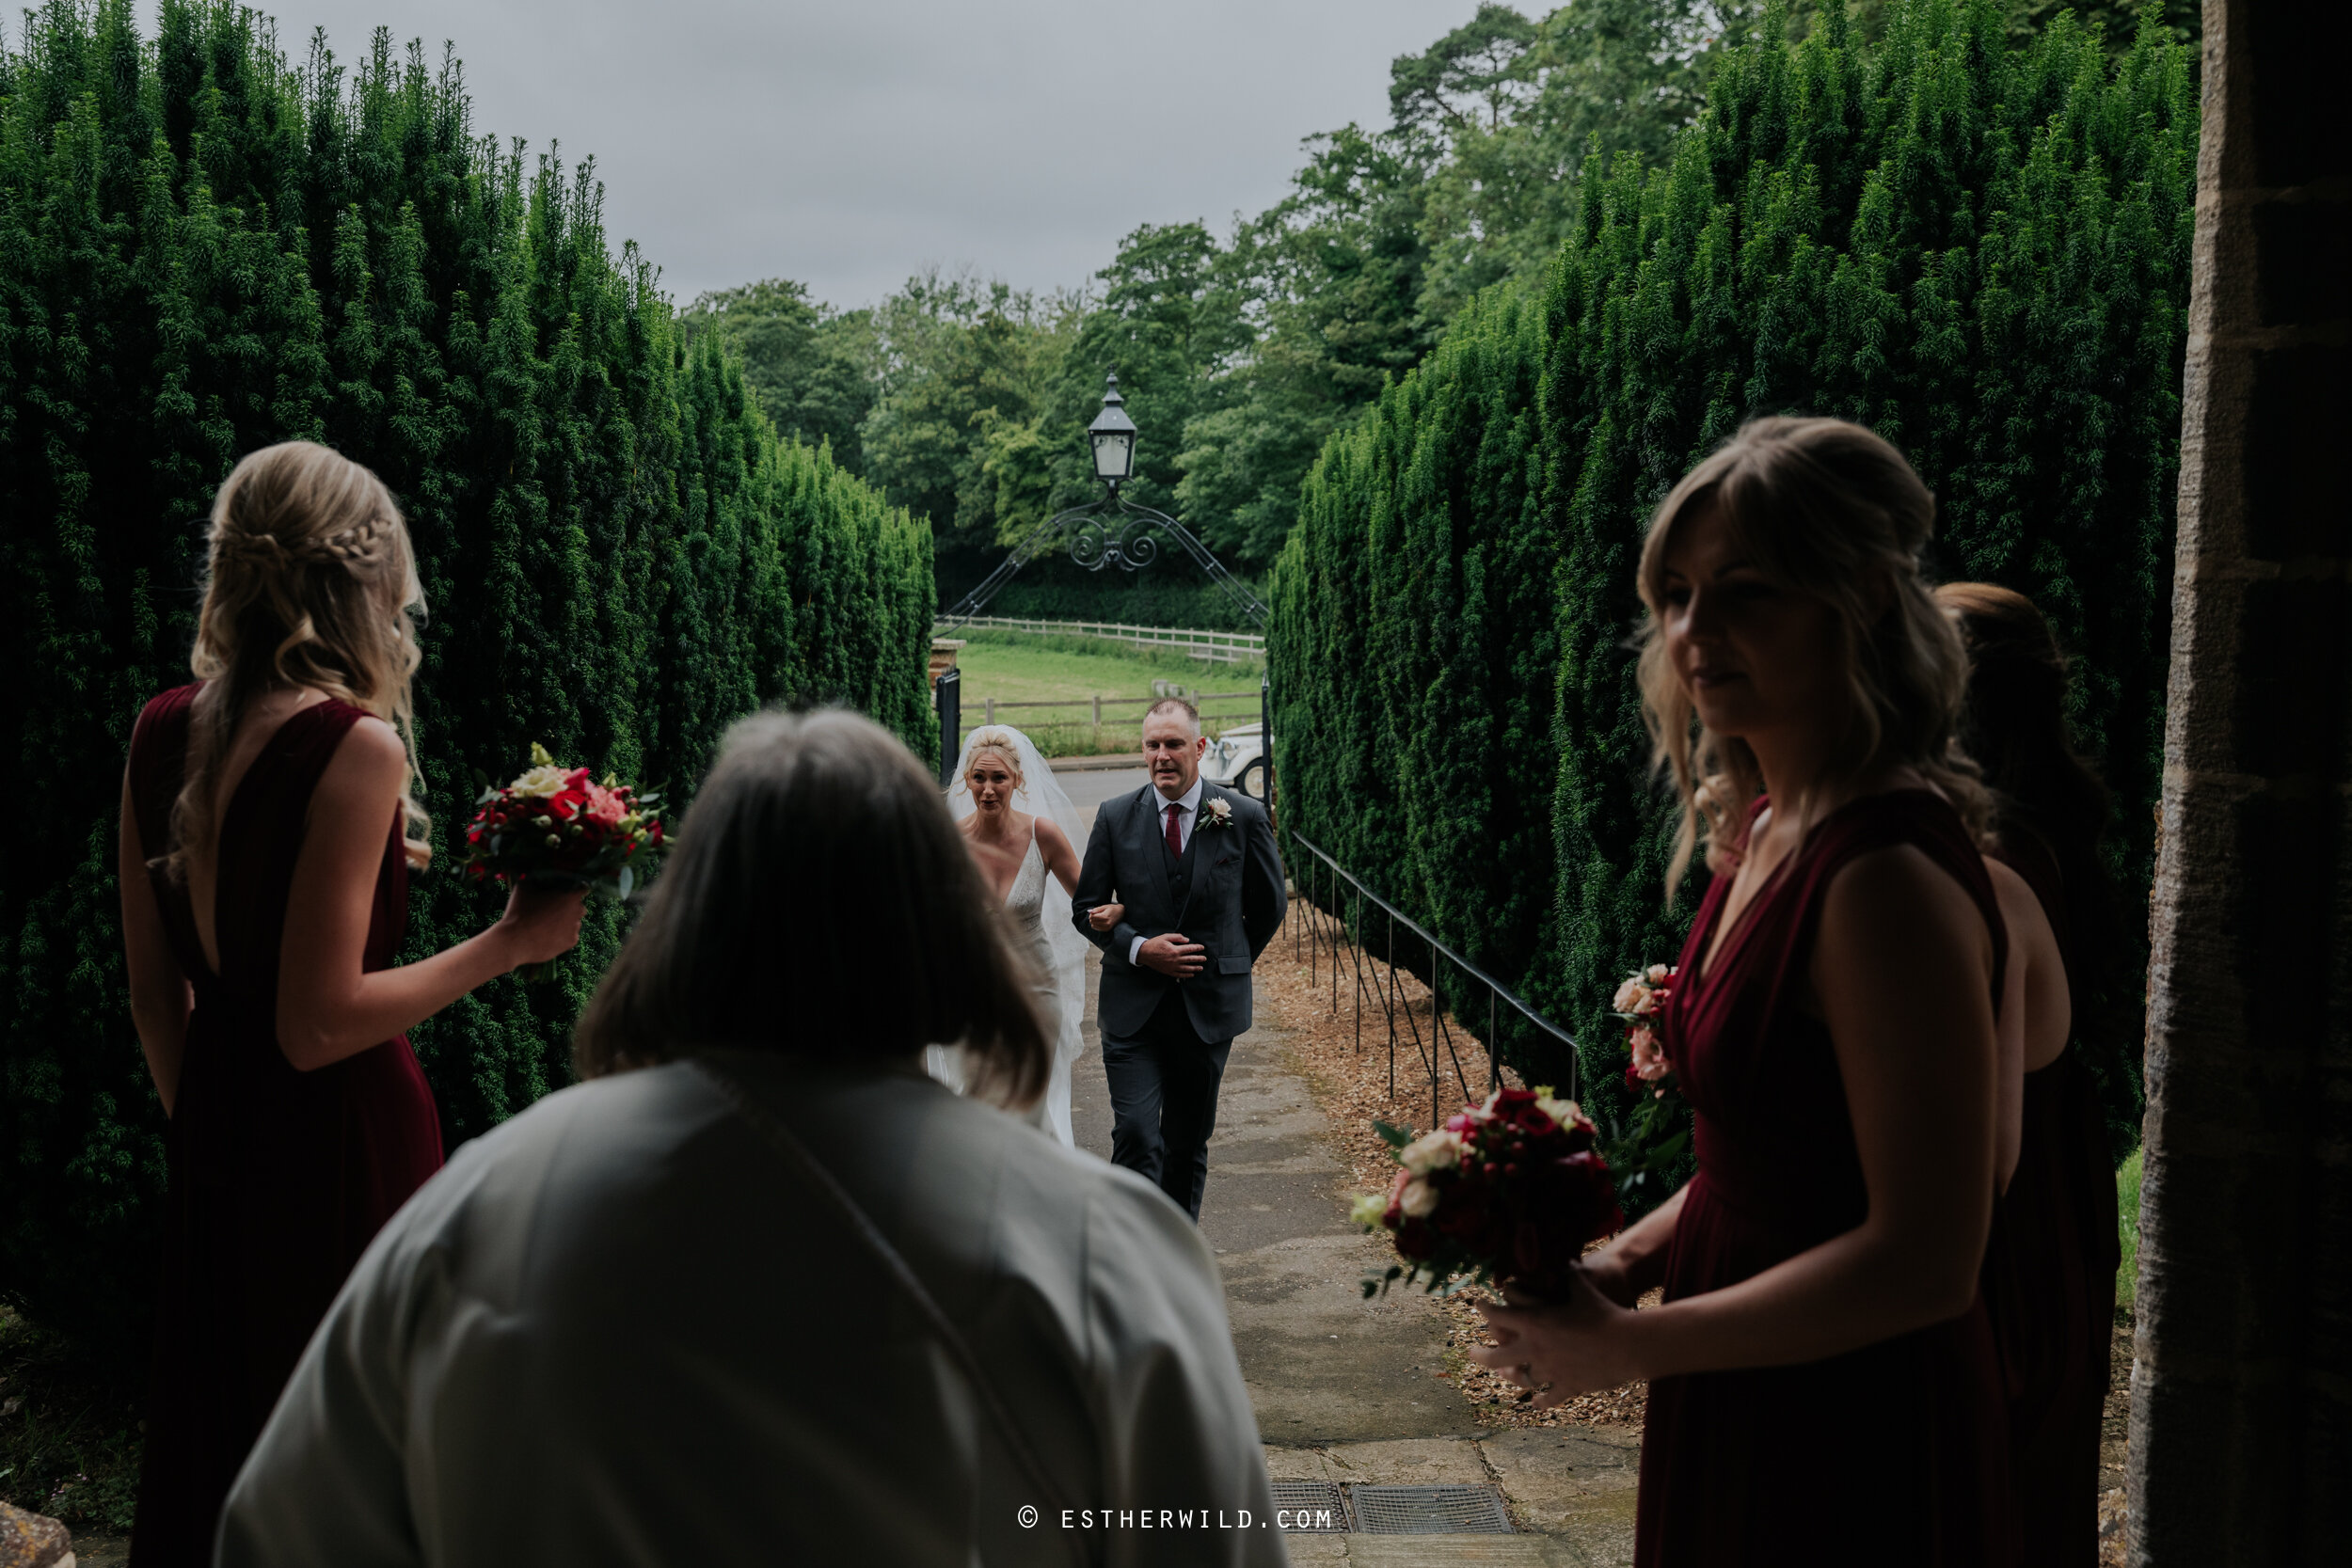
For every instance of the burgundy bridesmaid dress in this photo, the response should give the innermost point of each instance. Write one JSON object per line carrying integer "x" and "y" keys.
{"x": 1896, "y": 1452}
{"x": 279, "y": 1178}
{"x": 2049, "y": 1280}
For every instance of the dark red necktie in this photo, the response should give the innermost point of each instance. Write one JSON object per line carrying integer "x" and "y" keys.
{"x": 1175, "y": 839}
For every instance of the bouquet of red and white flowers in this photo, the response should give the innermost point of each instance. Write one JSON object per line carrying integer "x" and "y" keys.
{"x": 1507, "y": 1194}
{"x": 1640, "y": 997}
{"x": 556, "y": 826}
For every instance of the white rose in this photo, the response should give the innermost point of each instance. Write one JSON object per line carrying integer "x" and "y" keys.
{"x": 541, "y": 781}
{"x": 1660, "y": 974}
{"x": 1439, "y": 1151}
{"x": 1564, "y": 1112}
{"x": 1420, "y": 1200}
{"x": 1630, "y": 997}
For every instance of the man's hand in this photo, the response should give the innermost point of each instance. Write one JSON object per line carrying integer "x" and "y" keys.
{"x": 1172, "y": 956}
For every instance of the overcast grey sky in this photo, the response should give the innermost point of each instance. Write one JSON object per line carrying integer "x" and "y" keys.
{"x": 848, "y": 144}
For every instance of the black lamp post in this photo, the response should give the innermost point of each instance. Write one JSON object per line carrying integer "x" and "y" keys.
{"x": 1114, "y": 436}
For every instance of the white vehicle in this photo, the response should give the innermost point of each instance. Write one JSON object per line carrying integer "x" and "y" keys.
{"x": 1237, "y": 760}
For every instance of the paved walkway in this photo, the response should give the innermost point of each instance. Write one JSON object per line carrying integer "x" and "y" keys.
{"x": 1346, "y": 1389}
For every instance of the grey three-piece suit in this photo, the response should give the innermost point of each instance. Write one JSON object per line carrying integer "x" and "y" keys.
{"x": 1165, "y": 1041}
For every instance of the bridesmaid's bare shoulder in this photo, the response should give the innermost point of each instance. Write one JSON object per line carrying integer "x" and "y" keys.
{"x": 370, "y": 763}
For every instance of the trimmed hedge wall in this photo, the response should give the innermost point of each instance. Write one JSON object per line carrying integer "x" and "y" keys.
{"x": 204, "y": 249}
{"x": 1979, "y": 250}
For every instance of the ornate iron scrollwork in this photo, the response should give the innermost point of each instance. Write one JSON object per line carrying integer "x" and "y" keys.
{"x": 1113, "y": 532}
{"x": 1095, "y": 543}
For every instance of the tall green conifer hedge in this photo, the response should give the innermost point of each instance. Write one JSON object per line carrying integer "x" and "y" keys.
{"x": 204, "y": 249}
{"x": 1979, "y": 250}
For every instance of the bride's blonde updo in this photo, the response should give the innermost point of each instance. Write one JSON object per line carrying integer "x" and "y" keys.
{"x": 309, "y": 582}
{"x": 1007, "y": 751}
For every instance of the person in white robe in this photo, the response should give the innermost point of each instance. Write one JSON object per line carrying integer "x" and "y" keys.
{"x": 635, "y": 1326}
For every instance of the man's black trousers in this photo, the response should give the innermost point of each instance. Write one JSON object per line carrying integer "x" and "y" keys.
{"x": 1163, "y": 1081}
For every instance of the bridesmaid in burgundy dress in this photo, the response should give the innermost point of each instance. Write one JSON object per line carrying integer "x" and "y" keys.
{"x": 1823, "y": 1384}
{"x": 266, "y": 852}
{"x": 2049, "y": 1273}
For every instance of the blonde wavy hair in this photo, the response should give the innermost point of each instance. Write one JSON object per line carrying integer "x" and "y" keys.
{"x": 309, "y": 582}
{"x": 1831, "y": 510}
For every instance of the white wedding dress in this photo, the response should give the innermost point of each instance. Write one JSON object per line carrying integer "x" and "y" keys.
{"x": 1037, "y": 918}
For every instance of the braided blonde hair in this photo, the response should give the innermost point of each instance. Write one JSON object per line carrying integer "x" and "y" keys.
{"x": 311, "y": 582}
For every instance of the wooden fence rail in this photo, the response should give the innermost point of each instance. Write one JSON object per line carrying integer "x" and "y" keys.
{"x": 1096, "y": 705}
{"x": 1222, "y": 647}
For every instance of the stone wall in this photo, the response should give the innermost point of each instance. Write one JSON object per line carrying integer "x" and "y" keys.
{"x": 2241, "y": 1447}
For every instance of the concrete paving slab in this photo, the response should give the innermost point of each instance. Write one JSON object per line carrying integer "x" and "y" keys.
{"x": 1579, "y": 1483}
{"x": 1401, "y": 1461}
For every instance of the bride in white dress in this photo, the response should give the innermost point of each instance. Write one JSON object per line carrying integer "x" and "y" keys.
{"x": 1023, "y": 833}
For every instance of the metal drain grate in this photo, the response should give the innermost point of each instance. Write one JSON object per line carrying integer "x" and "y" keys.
{"x": 1429, "y": 1510}
{"x": 1310, "y": 1507}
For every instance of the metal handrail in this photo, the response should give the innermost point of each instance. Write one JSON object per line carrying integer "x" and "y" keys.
{"x": 1496, "y": 989}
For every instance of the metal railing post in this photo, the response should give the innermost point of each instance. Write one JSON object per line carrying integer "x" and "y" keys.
{"x": 1265, "y": 730}
{"x": 1358, "y": 945}
{"x": 1437, "y": 1021}
{"x": 1339, "y": 927}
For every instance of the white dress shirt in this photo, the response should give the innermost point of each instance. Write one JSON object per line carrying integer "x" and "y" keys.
{"x": 1187, "y": 807}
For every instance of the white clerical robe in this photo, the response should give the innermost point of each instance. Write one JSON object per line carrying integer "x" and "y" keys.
{"x": 620, "y": 1329}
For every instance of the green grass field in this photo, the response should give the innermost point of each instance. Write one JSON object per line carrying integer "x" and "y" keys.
{"x": 1018, "y": 667}
{"x": 2127, "y": 1219}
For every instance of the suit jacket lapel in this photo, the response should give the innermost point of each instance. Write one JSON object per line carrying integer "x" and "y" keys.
{"x": 1148, "y": 806}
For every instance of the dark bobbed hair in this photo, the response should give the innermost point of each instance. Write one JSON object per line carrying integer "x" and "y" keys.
{"x": 2014, "y": 726}
{"x": 819, "y": 903}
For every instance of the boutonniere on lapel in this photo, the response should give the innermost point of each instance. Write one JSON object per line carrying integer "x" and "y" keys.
{"x": 1216, "y": 814}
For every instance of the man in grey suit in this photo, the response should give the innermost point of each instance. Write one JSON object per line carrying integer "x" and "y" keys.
{"x": 1196, "y": 866}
